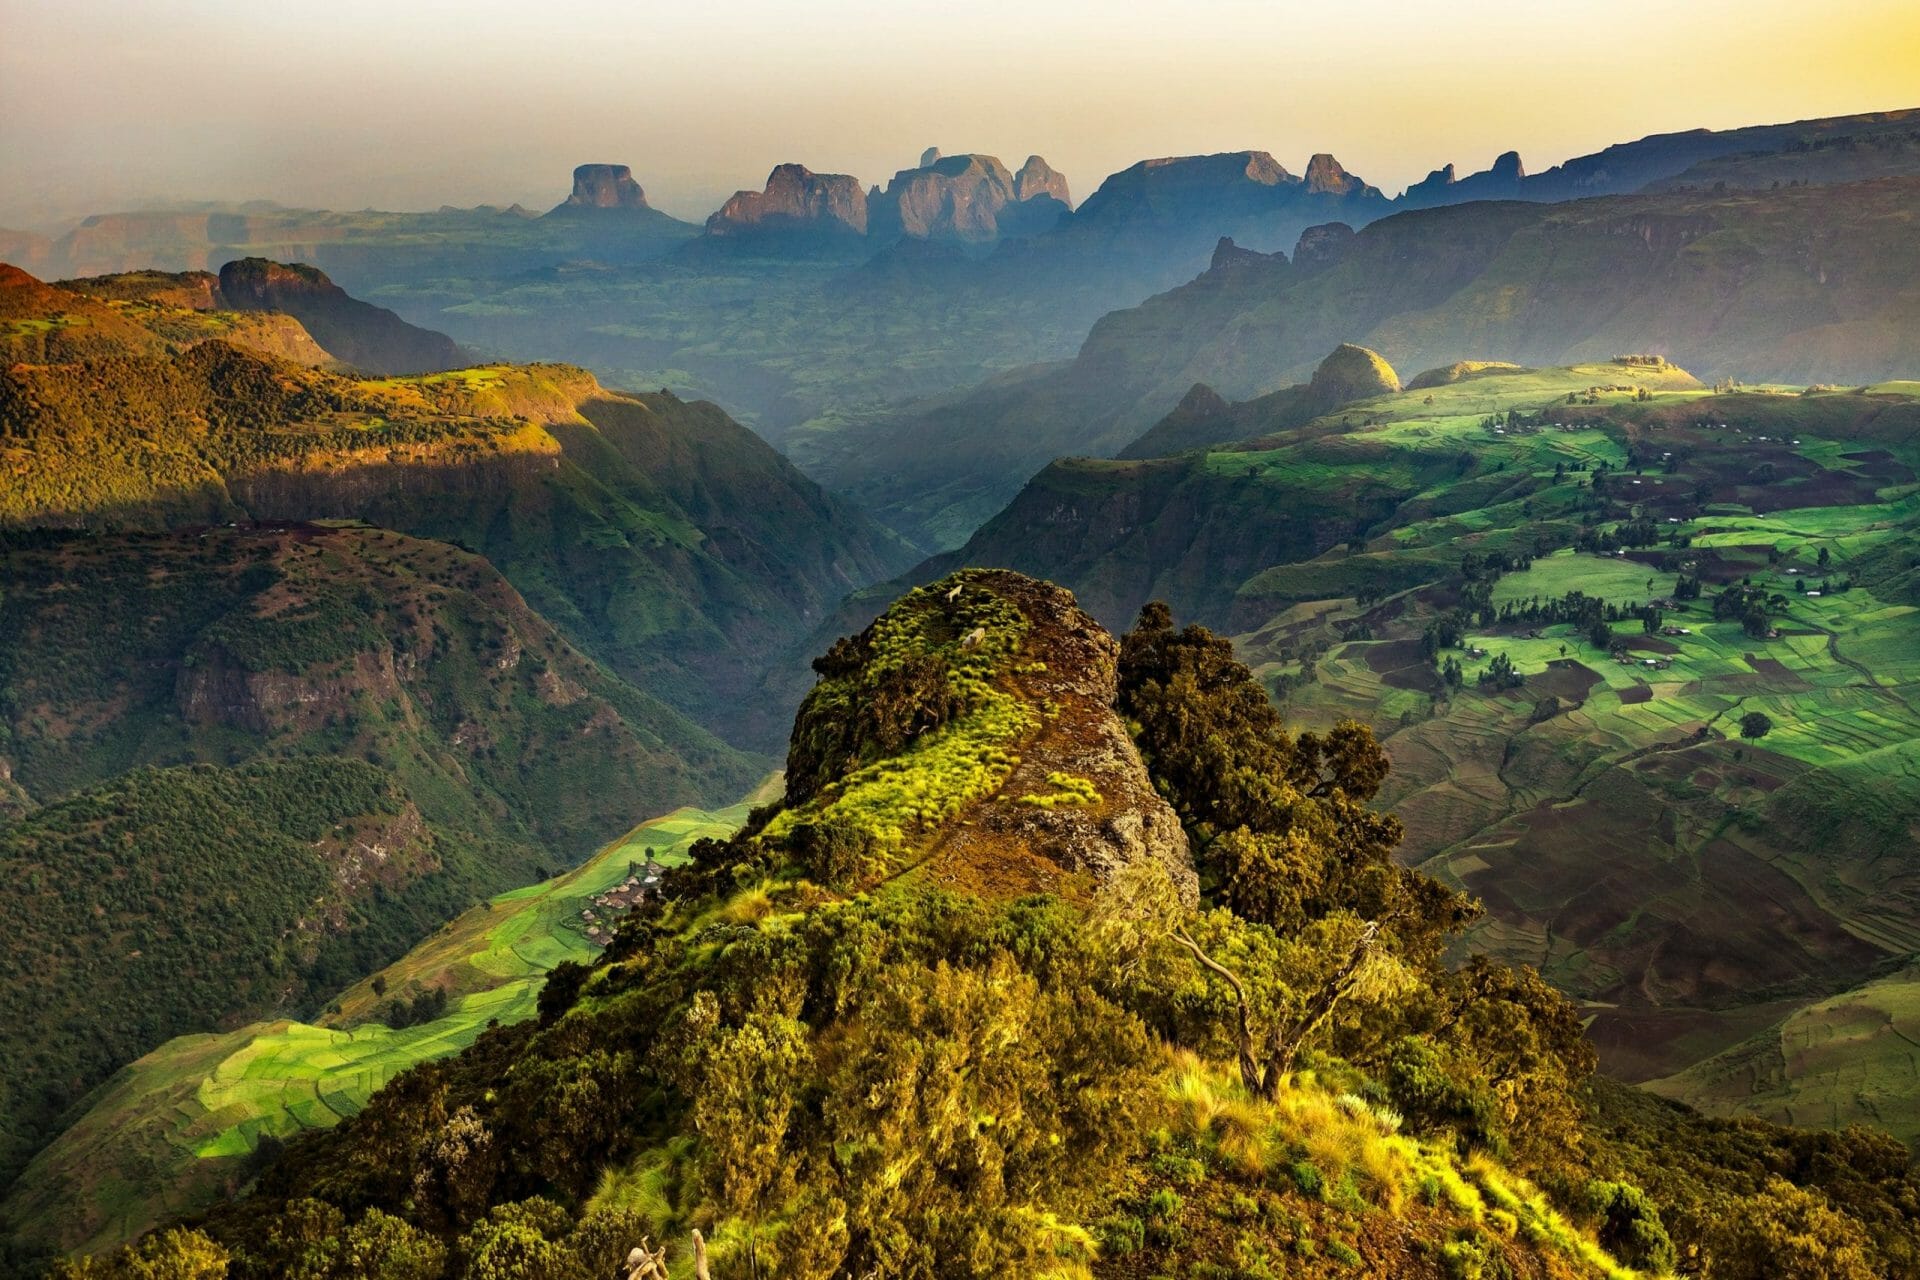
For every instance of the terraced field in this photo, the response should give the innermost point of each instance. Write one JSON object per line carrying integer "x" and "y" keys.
{"x": 1704, "y": 893}
{"x": 179, "y": 1125}
{"x": 1852, "y": 1058}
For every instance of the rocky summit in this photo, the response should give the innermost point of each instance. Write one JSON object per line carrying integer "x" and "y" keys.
{"x": 993, "y": 693}
{"x": 972, "y": 199}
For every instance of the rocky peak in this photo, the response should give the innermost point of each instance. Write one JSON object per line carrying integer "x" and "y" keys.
{"x": 605, "y": 186}
{"x": 1228, "y": 256}
{"x": 1507, "y": 167}
{"x": 1038, "y": 178}
{"x": 928, "y": 157}
{"x": 971, "y": 731}
{"x": 796, "y": 199}
{"x": 954, "y": 198}
{"x": 1323, "y": 246}
{"x": 1326, "y": 177}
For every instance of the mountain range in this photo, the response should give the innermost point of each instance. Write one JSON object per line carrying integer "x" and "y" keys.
{"x": 1793, "y": 285}
{"x": 1247, "y": 726}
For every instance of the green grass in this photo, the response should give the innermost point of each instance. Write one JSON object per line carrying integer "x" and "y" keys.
{"x": 1617, "y": 848}
{"x": 1614, "y": 579}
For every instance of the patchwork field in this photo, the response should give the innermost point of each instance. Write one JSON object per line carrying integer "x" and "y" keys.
{"x": 178, "y": 1126}
{"x": 1711, "y": 896}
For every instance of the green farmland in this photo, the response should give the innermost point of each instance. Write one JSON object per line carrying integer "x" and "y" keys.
{"x": 176, "y": 1128}
{"x": 1721, "y": 902}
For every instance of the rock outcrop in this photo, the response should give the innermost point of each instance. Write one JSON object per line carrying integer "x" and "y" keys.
{"x": 1326, "y": 177}
{"x": 1242, "y": 193}
{"x": 1506, "y": 180}
{"x": 1204, "y": 417}
{"x": 604, "y": 186}
{"x": 1038, "y": 178}
{"x": 1060, "y": 794}
{"x": 1229, "y": 257}
{"x": 1322, "y": 246}
{"x": 1352, "y": 373}
{"x": 1177, "y": 187}
{"x": 797, "y": 201}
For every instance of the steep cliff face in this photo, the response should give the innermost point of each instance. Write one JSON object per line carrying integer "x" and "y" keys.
{"x": 184, "y": 309}
{"x": 797, "y": 202}
{"x": 663, "y": 536}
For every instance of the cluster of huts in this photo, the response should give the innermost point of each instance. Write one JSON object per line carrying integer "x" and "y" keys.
{"x": 602, "y": 915}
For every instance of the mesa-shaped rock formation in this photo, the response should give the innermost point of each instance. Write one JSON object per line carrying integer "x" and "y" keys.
{"x": 604, "y": 186}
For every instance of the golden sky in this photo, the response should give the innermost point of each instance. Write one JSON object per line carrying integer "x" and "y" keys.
{"x": 415, "y": 103}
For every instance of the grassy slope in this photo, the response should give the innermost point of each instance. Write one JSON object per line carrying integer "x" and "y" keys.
{"x": 1849, "y": 1059}
{"x": 172, "y": 1130}
{"x": 1312, "y": 1181}
{"x": 1625, "y": 857}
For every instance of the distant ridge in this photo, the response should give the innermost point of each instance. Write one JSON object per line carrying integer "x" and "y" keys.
{"x": 371, "y": 339}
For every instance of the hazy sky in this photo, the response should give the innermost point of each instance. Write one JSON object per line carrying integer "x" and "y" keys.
{"x": 415, "y": 103}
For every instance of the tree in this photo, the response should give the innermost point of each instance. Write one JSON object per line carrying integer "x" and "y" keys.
{"x": 169, "y": 1255}
{"x": 1500, "y": 674}
{"x": 1600, "y": 635}
{"x": 1785, "y": 1233}
{"x": 1280, "y": 1000}
{"x": 1755, "y": 724}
